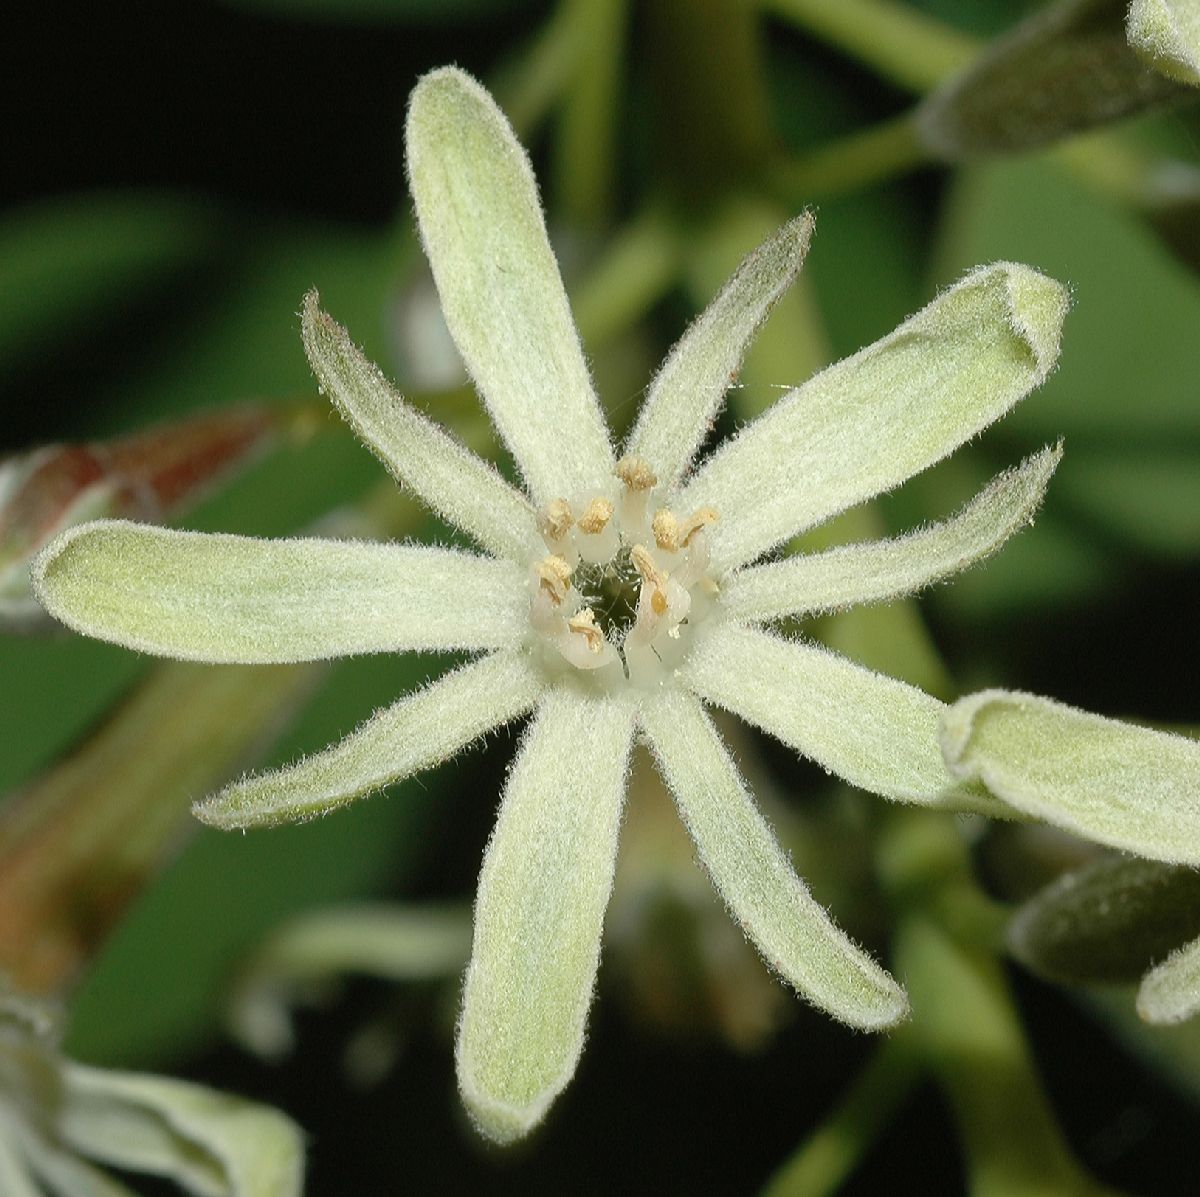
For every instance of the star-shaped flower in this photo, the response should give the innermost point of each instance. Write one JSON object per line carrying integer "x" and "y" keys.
{"x": 619, "y": 594}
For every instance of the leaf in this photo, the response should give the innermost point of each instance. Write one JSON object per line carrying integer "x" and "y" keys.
{"x": 1166, "y": 33}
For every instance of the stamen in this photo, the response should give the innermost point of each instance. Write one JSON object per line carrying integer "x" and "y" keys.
{"x": 696, "y": 522}
{"x": 636, "y": 473}
{"x": 595, "y": 517}
{"x": 583, "y": 623}
{"x": 666, "y": 530}
{"x": 554, "y": 577}
{"x": 555, "y": 522}
{"x": 652, "y": 576}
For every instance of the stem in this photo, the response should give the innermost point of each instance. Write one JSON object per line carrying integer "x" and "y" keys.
{"x": 586, "y": 169}
{"x": 529, "y": 86}
{"x": 859, "y": 160}
{"x": 830, "y": 1154}
{"x": 912, "y": 50}
{"x": 966, "y": 1021}
{"x": 711, "y": 102}
{"x": 640, "y": 264}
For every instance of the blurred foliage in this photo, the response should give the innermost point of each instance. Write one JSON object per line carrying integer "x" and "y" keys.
{"x": 163, "y": 276}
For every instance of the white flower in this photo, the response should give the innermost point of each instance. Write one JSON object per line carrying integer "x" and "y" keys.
{"x": 620, "y": 592}
{"x": 59, "y": 1119}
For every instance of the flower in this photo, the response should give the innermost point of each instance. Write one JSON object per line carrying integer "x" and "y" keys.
{"x": 619, "y": 594}
{"x": 57, "y": 1116}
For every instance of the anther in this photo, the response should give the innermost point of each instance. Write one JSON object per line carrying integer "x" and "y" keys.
{"x": 636, "y": 473}
{"x": 596, "y": 516}
{"x": 556, "y": 520}
{"x": 696, "y": 522}
{"x": 666, "y": 530}
{"x": 583, "y": 623}
{"x": 653, "y": 576}
{"x": 554, "y": 577}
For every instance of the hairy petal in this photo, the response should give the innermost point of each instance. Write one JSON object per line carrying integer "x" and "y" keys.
{"x": 686, "y": 393}
{"x": 546, "y": 879}
{"x": 420, "y": 730}
{"x": 235, "y": 599}
{"x": 875, "y": 732}
{"x": 1108, "y": 781}
{"x": 888, "y": 569}
{"x": 747, "y": 865}
{"x": 1166, "y": 33}
{"x": 869, "y": 422}
{"x": 1170, "y": 992}
{"x": 445, "y": 476}
{"x": 481, "y": 222}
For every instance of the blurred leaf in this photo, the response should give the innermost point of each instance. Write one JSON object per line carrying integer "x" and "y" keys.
{"x": 78, "y": 259}
{"x": 396, "y": 943}
{"x": 80, "y": 843}
{"x": 1065, "y": 69}
{"x": 1107, "y": 922}
{"x": 385, "y": 12}
{"x": 1123, "y": 397}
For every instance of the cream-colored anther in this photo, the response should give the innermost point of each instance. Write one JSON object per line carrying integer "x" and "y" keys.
{"x": 583, "y": 623}
{"x": 636, "y": 473}
{"x": 666, "y": 530}
{"x": 554, "y": 577}
{"x": 695, "y": 522}
{"x": 595, "y": 517}
{"x": 653, "y": 576}
{"x": 556, "y": 520}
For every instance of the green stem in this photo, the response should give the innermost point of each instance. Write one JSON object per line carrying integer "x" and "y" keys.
{"x": 586, "y": 161}
{"x": 640, "y": 264}
{"x": 531, "y": 84}
{"x": 967, "y": 1023}
{"x": 870, "y": 156}
{"x": 830, "y": 1154}
{"x": 912, "y": 50}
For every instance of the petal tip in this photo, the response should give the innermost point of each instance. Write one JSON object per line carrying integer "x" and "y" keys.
{"x": 1037, "y": 307}
{"x": 503, "y": 1122}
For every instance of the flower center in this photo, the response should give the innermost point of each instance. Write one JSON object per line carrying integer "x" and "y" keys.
{"x": 621, "y": 590}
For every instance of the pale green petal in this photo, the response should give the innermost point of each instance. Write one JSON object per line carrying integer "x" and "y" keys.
{"x": 445, "y": 476}
{"x": 397, "y": 943}
{"x": 743, "y": 858}
{"x": 545, "y": 883}
{"x": 218, "y": 598}
{"x": 15, "y": 1177}
{"x": 1170, "y": 992}
{"x": 869, "y": 422}
{"x": 420, "y": 730}
{"x": 1108, "y": 781}
{"x": 481, "y": 222}
{"x": 887, "y": 569}
{"x": 211, "y": 1143}
{"x": 1167, "y": 35}
{"x": 62, "y": 1174}
{"x": 686, "y": 393}
{"x": 873, "y": 731}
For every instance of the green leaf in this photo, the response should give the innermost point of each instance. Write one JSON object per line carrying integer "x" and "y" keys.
{"x": 1166, "y": 33}
{"x": 418, "y": 731}
{"x": 1107, "y": 922}
{"x": 396, "y": 943}
{"x": 1065, "y": 69}
{"x": 871, "y": 421}
{"x": 219, "y": 598}
{"x": 546, "y": 880}
{"x": 871, "y": 571}
{"x": 503, "y": 298}
{"x": 1125, "y": 786}
{"x": 771, "y": 904}
{"x": 873, "y": 731}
